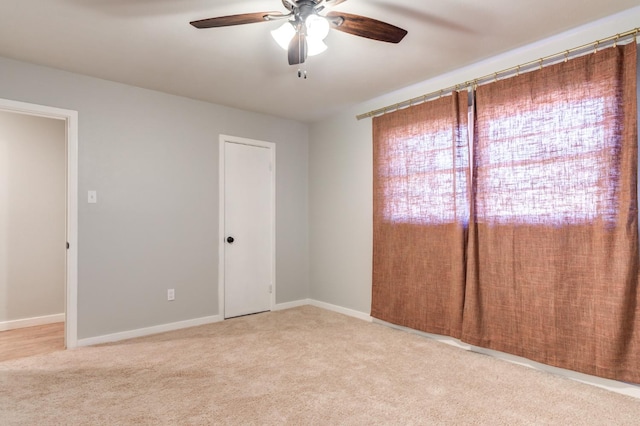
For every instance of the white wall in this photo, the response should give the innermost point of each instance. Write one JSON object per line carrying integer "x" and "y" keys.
{"x": 32, "y": 216}
{"x": 340, "y": 170}
{"x": 153, "y": 159}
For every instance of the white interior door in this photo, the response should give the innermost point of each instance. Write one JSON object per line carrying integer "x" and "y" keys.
{"x": 248, "y": 225}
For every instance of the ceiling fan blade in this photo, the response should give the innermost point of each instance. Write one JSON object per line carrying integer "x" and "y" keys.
{"x": 245, "y": 18}
{"x": 366, "y": 27}
{"x": 297, "y": 49}
{"x": 333, "y": 3}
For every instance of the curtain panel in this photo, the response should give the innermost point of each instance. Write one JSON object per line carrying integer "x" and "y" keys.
{"x": 553, "y": 249}
{"x": 420, "y": 215}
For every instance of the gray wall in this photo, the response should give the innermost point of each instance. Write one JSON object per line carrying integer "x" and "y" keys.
{"x": 153, "y": 159}
{"x": 341, "y": 218}
{"x": 32, "y": 216}
{"x": 341, "y": 170}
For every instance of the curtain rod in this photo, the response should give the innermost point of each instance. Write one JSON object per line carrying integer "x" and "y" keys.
{"x": 508, "y": 72}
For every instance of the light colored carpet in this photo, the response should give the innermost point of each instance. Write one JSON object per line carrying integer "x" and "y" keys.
{"x": 301, "y": 366}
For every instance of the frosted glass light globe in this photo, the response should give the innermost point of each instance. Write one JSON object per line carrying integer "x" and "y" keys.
{"x": 283, "y": 35}
{"x": 315, "y": 46}
{"x": 317, "y": 27}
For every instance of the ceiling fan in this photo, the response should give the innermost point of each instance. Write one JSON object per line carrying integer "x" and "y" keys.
{"x": 305, "y": 28}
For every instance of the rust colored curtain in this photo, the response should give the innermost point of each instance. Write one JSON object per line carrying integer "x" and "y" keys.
{"x": 421, "y": 210}
{"x": 553, "y": 250}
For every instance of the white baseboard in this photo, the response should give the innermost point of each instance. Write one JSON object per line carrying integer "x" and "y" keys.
{"x": 452, "y": 341}
{"x": 141, "y": 332}
{"x": 608, "y": 384}
{"x": 611, "y": 385}
{"x": 31, "y": 322}
{"x": 341, "y": 310}
{"x": 291, "y": 305}
{"x": 323, "y": 305}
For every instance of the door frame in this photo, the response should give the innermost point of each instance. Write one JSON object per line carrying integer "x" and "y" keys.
{"x": 71, "y": 268}
{"x": 221, "y": 215}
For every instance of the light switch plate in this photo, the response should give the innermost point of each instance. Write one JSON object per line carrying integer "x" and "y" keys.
{"x": 93, "y": 197}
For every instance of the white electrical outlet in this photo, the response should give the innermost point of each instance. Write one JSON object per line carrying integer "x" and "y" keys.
{"x": 171, "y": 294}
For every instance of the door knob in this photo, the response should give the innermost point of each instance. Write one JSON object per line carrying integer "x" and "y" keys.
{"x": 230, "y": 240}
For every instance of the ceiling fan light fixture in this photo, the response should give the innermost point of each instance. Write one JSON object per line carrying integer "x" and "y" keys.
{"x": 315, "y": 46}
{"x": 284, "y": 34}
{"x": 303, "y": 34}
{"x": 317, "y": 27}
{"x": 315, "y": 34}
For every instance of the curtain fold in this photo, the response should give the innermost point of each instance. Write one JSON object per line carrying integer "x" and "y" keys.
{"x": 552, "y": 273}
{"x": 421, "y": 210}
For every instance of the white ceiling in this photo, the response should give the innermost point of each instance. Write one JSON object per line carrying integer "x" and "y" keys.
{"x": 150, "y": 44}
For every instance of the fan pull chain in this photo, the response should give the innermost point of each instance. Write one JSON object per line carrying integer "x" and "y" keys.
{"x": 302, "y": 73}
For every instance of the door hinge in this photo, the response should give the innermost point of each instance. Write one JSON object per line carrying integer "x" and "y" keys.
{"x": 67, "y": 245}
{"x": 270, "y": 289}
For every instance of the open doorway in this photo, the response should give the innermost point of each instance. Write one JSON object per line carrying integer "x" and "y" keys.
{"x": 38, "y": 225}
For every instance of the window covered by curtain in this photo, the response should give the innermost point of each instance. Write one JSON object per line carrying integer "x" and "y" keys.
{"x": 421, "y": 213}
{"x": 553, "y": 250}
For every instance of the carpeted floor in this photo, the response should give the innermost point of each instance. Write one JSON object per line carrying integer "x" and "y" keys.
{"x": 303, "y": 366}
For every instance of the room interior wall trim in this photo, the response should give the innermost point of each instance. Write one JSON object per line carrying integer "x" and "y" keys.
{"x": 31, "y": 322}
{"x": 323, "y": 305}
{"x": 341, "y": 310}
{"x": 141, "y": 332}
{"x": 291, "y": 305}
{"x": 147, "y": 331}
{"x": 610, "y": 385}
